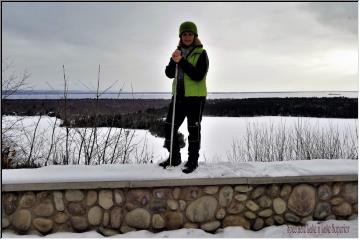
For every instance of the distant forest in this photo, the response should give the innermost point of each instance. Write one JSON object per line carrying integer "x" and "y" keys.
{"x": 149, "y": 113}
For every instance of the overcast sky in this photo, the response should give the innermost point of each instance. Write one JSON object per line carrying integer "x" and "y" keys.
{"x": 251, "y": 46}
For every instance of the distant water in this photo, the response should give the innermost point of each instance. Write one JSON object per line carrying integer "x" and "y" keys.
{"x": 38, "y": 94}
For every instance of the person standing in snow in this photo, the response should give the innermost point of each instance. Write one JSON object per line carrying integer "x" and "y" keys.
{"x": 191, "y": 92}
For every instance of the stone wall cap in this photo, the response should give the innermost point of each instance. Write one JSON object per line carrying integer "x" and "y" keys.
{"x": 150, "y": 175}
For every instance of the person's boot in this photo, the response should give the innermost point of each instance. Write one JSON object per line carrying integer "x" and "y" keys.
{"x": 175, "y": 161}
{"x": 190, "y": 167}
{"x": 191, "y": 164}
{"x": 193, "y": 151}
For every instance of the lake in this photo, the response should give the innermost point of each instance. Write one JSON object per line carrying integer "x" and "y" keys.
{"x": 39, "y": 94}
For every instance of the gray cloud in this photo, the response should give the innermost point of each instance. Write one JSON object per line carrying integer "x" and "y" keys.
{"x": 252, "y": 46}
{"x": 342, "y": 16}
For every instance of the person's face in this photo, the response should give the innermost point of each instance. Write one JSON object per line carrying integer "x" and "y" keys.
{"x": 187, "y": 38}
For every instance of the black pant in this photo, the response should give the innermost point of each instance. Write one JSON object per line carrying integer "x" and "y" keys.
{"x": 192, "y": 108}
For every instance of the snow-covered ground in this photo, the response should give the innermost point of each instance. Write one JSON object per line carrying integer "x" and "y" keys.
{"x": 218, "y": 134}
{"x": 140, "y": 172}
{"x": 313, "y": 229}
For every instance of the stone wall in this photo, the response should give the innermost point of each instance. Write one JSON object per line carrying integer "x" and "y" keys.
{"x": 113, "y": 211}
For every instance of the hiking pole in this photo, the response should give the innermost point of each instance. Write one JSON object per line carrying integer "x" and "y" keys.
{"x": 173, "y": 117}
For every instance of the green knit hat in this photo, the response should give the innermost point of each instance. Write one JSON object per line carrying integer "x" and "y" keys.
{"x": 188, "y": 27}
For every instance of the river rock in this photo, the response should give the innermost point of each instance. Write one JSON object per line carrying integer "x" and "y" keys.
{"x": 257, "y": 192}
{"x": 306, "y": 219}
{"x": 63, "y": 228}
{"x": 269, "y": 221}
{"x": 202, "y": 209}
{"x": 211, "y": 190}
{"x": 265, "y": 201}
{"x": 172, "y": 204}
{"x": 225, "y": 196}
{"x": 252, "y": 206}
{"x": 5, "y": 222}
{"x": 285, "y": 190}
{"x": 336, "y": 201}
{"x": 191, "y": 225}
{"x": 91, "y": 198}
{"x": 79, "y": 223}
{"x": 138, "y": 218}
{"x": 158, "y": 205}
{"x": 355, "y": 208}
{"x": 176, "y": 193}
{"x": 138, "y": 196}
{"x": 350, "y": 193}
{"x": 243, "y": 188}
{"x": 342, "y": 210}
{"x": 258, "y": 224}
{"x": 182, "y": 205}
{"x": 279, "y": 206}
{"x": 58, "y": 200}
{"x": 210, "y": 226}
{"x": 279, "y": 219}
{"x": 190, "y": 193}
{"x": 119, "y": 197}
{"x": 292, "y": 218}
{"x": 240, "y": 197}
{"x": 324, "y": 192}
{"x": 173, "y": 220}
{"x": 336, "y": 188}
{"x": 302, "y": 200}
{"x": 233, "y": 220}
{"x": 61, "y": 217}
{"x": 108, "y": 232}
{"x": 250, "y": 215}
{"x": 330, "y": 217}
{"x": 274, "y": 190}
{"x": 158, "y": 221}
{"x": 44, "y": 209}
{"x": 235, "y": 207}
{"x": 95, "y": 215}
{"x": 126, "y": 229}
{"x": 106, "y": 199}
{"x": 265, "y": 213}
{"x": 74, "y": 195}
{"x": 220, "y": 214}
{"x": 22, "y": 220}
{"x": 9, "y": 203}
{"x": 106, "y": 219}
{"x": 76, "y": 208}
{"x": 43, "y": 225}
{"x": 322, "y": 210}
{"x": 27, "y": 200}
{"x": 162, "y": 193}
{"x": 115, "y": 217}
{"x": 353, "y": 217}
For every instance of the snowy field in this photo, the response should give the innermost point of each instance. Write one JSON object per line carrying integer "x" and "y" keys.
{"x": 313, "y": 229}
{"x": 218, "y": 136}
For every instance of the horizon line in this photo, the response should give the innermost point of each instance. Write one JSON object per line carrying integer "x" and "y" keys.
{"x": 169, "y": 92}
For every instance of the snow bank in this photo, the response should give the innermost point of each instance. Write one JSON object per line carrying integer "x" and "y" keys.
{"x": 137, "y": 172}
{"x": 313, "y": 229}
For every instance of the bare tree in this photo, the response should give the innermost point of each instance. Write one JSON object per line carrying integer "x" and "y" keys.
{"x": 11, "y": 81}
{"x": 66, "y": 157}
{"x": 52, "y": 143}
{"x": 301, "y": 142}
